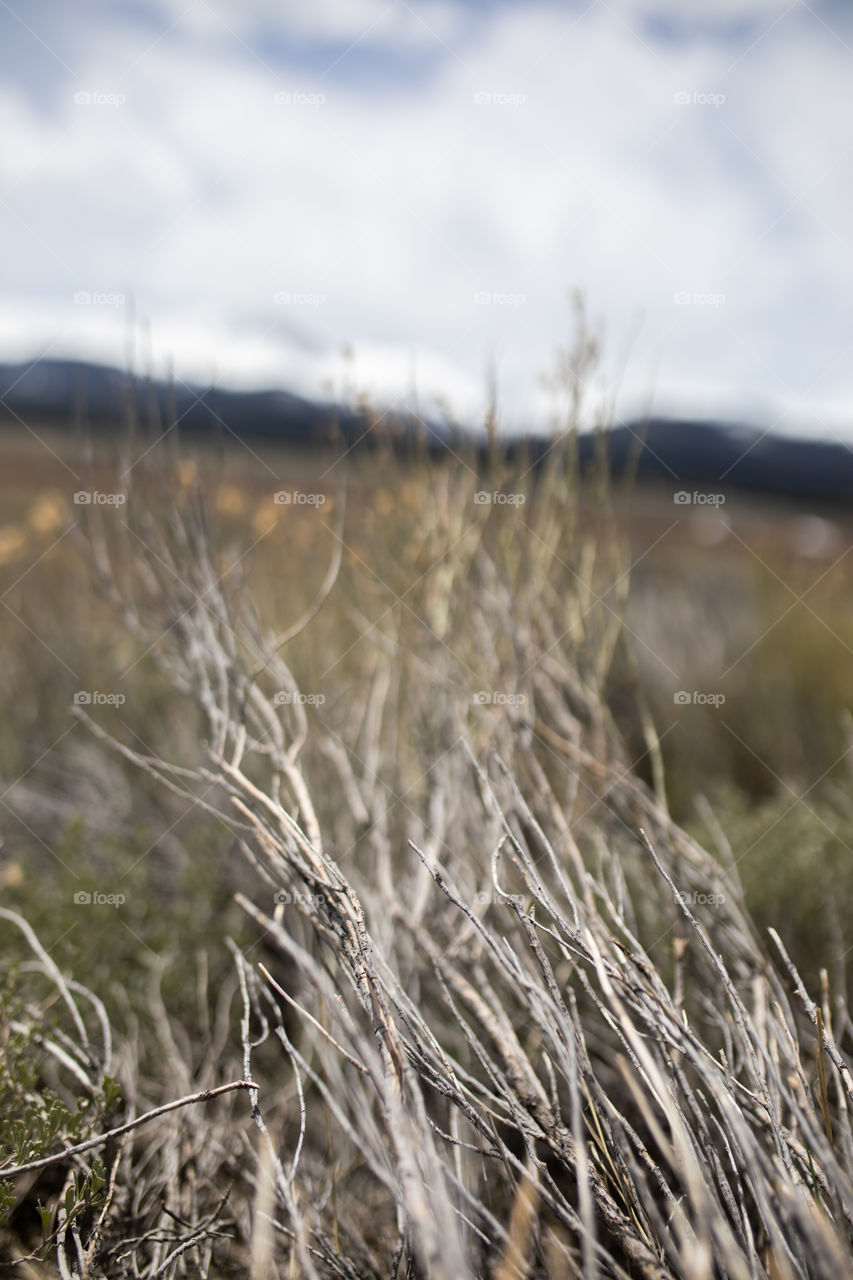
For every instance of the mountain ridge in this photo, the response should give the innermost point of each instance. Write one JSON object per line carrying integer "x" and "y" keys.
{"x": 701, "y": 452}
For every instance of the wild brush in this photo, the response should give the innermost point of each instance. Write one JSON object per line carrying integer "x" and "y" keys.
{"x": 505, "y": 1017}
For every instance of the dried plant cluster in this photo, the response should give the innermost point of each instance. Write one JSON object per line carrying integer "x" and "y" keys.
{"x": 504, "y": 1017}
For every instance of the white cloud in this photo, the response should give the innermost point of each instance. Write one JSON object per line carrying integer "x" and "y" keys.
{"x": 387, "y": 209}
{"x": 336, "y": 24}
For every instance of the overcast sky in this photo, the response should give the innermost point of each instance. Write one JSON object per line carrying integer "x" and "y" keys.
{"x": 249, "y": 185}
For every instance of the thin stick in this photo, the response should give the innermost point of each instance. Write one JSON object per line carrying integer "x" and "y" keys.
{"x": 339, "y": 1047}
{"x": 204, "y": 1096}
{"x": 821, "y": 1075}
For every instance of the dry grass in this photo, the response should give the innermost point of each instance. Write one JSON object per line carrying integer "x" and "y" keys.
{"x": 501, "y": 1014}
{"x": 425, "y": 979}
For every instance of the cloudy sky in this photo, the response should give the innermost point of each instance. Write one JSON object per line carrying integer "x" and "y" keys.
{"x": 246, "y": 187}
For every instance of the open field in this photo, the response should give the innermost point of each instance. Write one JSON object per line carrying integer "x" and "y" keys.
{"x": 397, "y": 745}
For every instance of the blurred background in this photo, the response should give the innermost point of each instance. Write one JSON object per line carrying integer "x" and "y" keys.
{"x": 231, "y": 229}
{"x": 265, "y": 209}
{"x": 239, "y": 190}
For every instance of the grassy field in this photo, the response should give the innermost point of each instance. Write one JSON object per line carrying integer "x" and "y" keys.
{"x": 454, "y": 827}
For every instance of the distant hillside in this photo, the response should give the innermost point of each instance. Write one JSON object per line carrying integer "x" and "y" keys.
{"x": 67, "y": 392}
{"x": 713, "y": 455}
{"x": 719, "y": 456}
